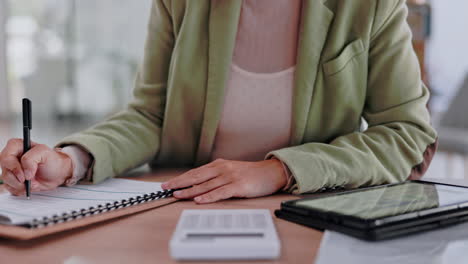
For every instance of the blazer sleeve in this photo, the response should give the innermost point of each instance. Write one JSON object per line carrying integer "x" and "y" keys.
{"x": 132, "y": 137}
{"x": 399, "y": 142}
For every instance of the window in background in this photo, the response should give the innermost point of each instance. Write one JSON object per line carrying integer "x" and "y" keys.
{"x": 4, "y": 103}
{"x": 440, "y": 43}
{"x": 447, "y": 55}
{"x": 75, "y": 57}
{"x": 448, "y": 63}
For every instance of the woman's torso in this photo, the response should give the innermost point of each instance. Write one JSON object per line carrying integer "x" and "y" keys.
{"x": 257, "y": 108}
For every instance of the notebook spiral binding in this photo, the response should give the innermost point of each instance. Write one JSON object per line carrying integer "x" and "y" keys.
{"x": 101, "y": 208}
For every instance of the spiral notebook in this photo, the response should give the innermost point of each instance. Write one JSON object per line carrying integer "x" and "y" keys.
{"x": 69, "y": 207}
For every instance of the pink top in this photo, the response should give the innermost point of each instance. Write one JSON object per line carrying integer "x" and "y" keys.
{"x": 257, "y": 110}
{"x": 256, "y": 116}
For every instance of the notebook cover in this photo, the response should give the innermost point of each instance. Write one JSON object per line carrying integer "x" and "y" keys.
{"x": 23, "y": 233}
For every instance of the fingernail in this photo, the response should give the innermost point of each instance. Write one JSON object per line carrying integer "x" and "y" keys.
{"x": 198, "y": 199}
{"x": 177, "y": 193}
{"x": 164, "y": 185}
{"x": 28, "y": 175}
{"x": 21, "y": 177}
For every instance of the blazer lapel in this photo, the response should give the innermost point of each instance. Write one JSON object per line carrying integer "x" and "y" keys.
{"x": 223, "y": 22}
{"x": 316, "y": 20}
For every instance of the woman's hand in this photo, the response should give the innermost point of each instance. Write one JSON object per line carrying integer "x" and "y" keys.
{"x": 223, "y": 179}
{"x": 45, "y": 167}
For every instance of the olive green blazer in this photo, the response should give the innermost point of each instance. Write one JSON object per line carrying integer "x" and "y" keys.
{"x": 355, "y": 60}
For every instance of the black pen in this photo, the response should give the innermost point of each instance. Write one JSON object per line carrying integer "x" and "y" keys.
{"x": 27, "y": 126}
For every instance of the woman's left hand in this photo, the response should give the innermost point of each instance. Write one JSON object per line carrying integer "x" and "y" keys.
{"x": 223, "y": 179}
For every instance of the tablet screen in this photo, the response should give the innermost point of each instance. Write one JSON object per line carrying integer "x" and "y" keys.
{"x": 389, "y": 201}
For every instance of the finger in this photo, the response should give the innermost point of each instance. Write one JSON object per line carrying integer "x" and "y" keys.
{"x": 14, "y": 147}
{"x": 32, "y": 159}
{"x": 9, "y": 157}
{"x": 11, "y": 190}
{"x": 169, "y": 184}
{"x": 221, "y": 193}
{"x": 192, "y": 177}
{"x": 205, "y": 187}
{"x": 35, "y": 186}
{"x": 11, "y": 163}
{"x": 12, "y": 181}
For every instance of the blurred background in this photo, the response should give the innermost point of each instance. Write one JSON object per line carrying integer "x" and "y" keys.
{"x": 76, "y": 61}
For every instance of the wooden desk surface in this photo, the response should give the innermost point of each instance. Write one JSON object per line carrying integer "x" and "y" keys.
{"x": 144, "y": 237}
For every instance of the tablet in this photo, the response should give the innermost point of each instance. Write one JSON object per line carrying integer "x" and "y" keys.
{"x": 382, "y": 212}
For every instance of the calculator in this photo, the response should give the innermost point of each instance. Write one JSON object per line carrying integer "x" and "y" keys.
{"x": 225, "y": 234}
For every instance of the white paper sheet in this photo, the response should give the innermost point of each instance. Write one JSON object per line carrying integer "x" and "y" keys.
{"x": 442, "y": 246}
{"x": 66, "y": 199}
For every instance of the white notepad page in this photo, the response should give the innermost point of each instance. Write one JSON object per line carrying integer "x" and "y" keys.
{"x": 66, "y": 199}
